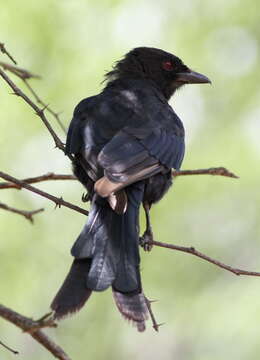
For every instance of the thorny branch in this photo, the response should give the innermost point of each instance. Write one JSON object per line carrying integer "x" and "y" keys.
{"x": 33, "y": 327}
{"x": 21, "y": 73}
{"x": 27, "y": 214}
{"x": 38, "y": 111}
{"x": 24, "y": 323}
{"x": 191, "y": 250}
{"x": 211, "y": 171}
{"x": 149, "y": 307}
{"x": 36, "y": 179}
{"x": 47, "y": 107}
{"x": 25, "y": 75}
{"x": 58, "y": 201}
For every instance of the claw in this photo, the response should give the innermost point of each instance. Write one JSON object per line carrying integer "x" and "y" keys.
{"x": 145, "y": 241}
{"x": 85, "y": 197}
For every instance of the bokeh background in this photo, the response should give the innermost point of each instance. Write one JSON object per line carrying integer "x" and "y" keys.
{"x": 208, "y": 313}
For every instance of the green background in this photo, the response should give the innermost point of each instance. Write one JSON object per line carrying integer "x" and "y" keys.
{"x": 208, "y": 313}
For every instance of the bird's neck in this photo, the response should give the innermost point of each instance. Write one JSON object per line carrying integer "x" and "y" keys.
{"x": 124, "y": 80}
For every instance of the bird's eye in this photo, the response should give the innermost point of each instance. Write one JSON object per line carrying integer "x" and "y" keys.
{"x": 167, "y": 65}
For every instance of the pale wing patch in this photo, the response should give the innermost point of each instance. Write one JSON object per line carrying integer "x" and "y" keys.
{"x": 104, "y": 187}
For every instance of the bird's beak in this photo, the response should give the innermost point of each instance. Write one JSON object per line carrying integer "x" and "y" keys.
{"x": 192, "y": 77}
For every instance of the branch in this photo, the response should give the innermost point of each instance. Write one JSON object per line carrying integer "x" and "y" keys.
{"x": 25, "y": 75}
{"x": 191, "y": 250}
{"x": 211, "y": 171}
{"x": 149, "y": 307}
{"x": 39, "y": 101}
{"x": 27, "y": 214}
{"x": 21, "y": 73}
{"x": 33, "y": 327}
{"x": 4, "y": 51}
{"x": 36, "y": 179}
{"x": 38, "y": 111}
{"x": 58, "y": 201}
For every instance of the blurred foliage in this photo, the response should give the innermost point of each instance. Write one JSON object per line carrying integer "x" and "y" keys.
{"x": 209, "y": 313}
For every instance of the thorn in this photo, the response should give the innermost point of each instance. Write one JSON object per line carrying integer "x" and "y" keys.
{"x": 161, "y": 324}
{"x": 152, "y": 301}
{"x": 39, "y": 112}
{"x": 30, "y": 218}
{"x": 59, "y": 145}
{"x": 156, "y": 326}
{"x": 45, "y": 107}
{"x": 58, "y": 202}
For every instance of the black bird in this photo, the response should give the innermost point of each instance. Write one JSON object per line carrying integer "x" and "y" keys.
{"x": 125, "y": 142}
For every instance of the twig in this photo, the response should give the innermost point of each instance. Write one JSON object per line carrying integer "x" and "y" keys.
{"x": 25, "y": 75}
{"x": 8, "y": 348}
{"x": 21, "y": 73}
{"x": 44, "y": 321}
{"x": 47, "y": 107}
{"x": 149, "y": 307}
{"x": 4, "y": 51}
{"x": 58, "y": 201}
{"x": 38, "y": 111}
{"x": 27, "y": 214}
{"x": 211, "y": 171}
{"x": 33, "y": 328}
{"x": 36, "y": 179}
{"x": 191, "y": 250}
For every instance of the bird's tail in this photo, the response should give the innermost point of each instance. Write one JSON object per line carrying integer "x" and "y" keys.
{"x": 133, "y": 308}
{"x": 107, "y": 254}
{"x": 73, "y": 293}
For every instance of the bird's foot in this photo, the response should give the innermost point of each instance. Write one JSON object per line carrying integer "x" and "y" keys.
{"x": 85, "y": 197}
{"x": 146, "y": 240}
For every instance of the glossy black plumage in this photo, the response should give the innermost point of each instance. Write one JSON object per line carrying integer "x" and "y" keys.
{"x": 127, "y": 135}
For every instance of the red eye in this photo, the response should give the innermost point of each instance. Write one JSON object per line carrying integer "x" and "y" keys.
{"x": 167, "y": 65}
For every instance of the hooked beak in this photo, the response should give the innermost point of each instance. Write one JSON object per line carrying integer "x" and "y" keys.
{"x": 192, "y": 77}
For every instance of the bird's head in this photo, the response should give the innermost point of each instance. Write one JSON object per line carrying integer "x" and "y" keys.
{"x": 167, "y": 71}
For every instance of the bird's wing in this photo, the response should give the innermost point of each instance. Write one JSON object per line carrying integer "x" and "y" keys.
{"x": 83, "y": 141}
{"x": 75, "y": 136}
{"x": 123, "y": 144}
{"x": 135, "y": 154}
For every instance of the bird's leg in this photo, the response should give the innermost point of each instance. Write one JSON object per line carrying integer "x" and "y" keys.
{"x": 147, "y": 238}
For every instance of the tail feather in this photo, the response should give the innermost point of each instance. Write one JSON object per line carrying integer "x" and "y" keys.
{"x": 107, "y": 254}
{"x": 73, "y": 293}
{"x": 94, "y": 242}
{"x": 111, "y": 241}
{"x": 133, "y": 308}
{"x": 106, "y": 250}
